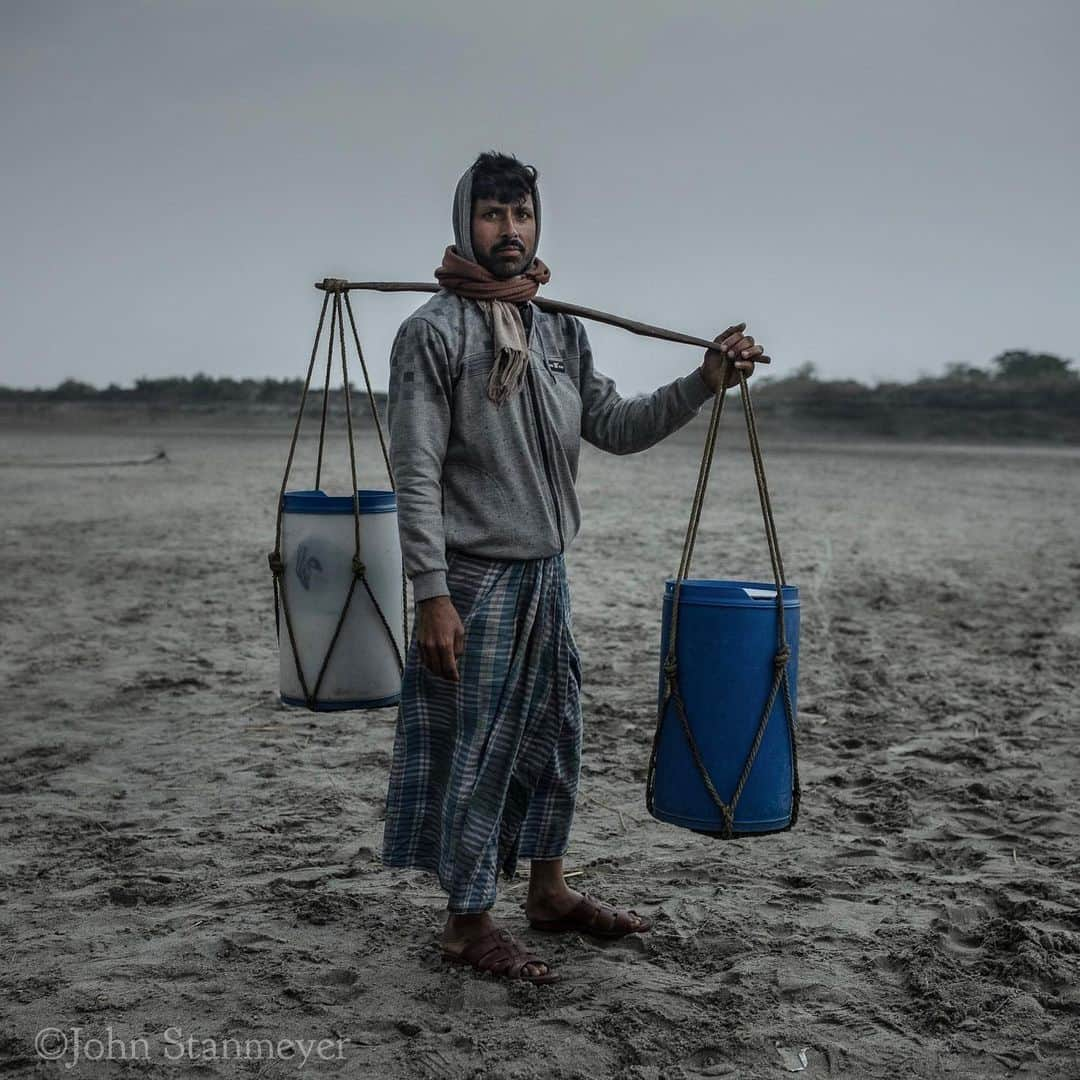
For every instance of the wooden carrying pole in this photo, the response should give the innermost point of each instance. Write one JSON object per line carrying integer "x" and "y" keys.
{"x": 544, "y": 304}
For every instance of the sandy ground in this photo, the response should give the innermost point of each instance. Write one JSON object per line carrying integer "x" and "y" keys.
{"x": 180, "y": 851}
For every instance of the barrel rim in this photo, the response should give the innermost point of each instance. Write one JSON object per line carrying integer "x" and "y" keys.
{"x": 714, "y": 826}
{"x": 723, "y": 592}
{"x": 316, "y": 501}
{"x": 334, "y": 705}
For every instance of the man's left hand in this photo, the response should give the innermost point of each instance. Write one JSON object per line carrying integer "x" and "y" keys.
{"x": 738, "y": 349}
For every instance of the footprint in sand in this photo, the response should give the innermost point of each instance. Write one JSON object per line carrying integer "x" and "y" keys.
{"x": 1071, "y": 623}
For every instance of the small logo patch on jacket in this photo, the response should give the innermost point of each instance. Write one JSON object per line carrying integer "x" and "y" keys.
{"x": 556, "y": 365}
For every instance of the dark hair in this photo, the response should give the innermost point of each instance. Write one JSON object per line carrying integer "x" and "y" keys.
{"x": 502, "y": 177}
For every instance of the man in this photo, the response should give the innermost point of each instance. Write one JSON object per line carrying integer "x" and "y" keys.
{"x": 489, "y": 400}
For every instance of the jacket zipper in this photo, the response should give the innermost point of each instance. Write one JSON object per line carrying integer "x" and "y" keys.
{"x": 544, "y": 455}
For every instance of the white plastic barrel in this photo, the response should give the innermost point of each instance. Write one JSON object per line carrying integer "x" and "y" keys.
{"x": 317, "y": 546}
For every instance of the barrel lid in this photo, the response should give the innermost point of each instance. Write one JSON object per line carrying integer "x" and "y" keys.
{"x": 732, "y": 593}
{"x": 318, "y": 502}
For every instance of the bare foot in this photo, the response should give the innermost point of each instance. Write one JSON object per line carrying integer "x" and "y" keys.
{"x": 553, "y": 902}
{"x": 461, "y": 930}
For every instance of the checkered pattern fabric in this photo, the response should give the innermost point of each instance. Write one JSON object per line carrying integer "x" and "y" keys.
{"x": 485, "y": 770}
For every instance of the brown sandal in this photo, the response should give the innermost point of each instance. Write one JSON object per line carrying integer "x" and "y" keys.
{"x": 592, "y": 916}
{"x": 499, "y": 954}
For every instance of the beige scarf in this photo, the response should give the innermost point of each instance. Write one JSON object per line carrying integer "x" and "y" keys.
{"x": 497, "y": 297}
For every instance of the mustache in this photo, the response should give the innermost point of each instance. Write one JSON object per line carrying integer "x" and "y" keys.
{"x": 511, "y": 246}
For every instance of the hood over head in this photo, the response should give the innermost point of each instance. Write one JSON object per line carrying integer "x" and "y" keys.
{"x": 462, "y": 216}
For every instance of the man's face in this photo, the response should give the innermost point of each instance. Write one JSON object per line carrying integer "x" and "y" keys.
{"x": 504, "y": 235}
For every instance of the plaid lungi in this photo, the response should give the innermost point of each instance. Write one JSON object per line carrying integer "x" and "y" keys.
{"x": 485, "y": 770}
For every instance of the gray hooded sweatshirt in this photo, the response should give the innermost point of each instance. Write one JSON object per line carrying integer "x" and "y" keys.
{"x": 497, "y": 481}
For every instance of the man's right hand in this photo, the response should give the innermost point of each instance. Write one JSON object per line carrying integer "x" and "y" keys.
{"x": 440, "y": 636}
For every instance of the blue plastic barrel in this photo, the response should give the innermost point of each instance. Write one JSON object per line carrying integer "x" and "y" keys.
{"x": 727, "y": 642}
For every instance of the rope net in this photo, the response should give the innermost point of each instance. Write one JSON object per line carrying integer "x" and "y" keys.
{"x": 334, "y": 292}
{"x": 780, "y": 683}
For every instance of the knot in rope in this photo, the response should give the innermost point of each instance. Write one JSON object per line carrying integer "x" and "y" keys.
{"x": 335, "y": 285}
{"x": 782, "y": 657}
{"x": 671, "y": 668}
{"x": 358, "y": 567}
{"x": 277, "y": 566}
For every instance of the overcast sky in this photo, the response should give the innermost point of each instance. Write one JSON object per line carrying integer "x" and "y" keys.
{"x": 877, "y": 188}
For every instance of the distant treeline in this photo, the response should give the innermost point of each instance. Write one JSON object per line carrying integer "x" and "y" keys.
{"x": 1021, "y": 395}
{"x": 184, "y": 390}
